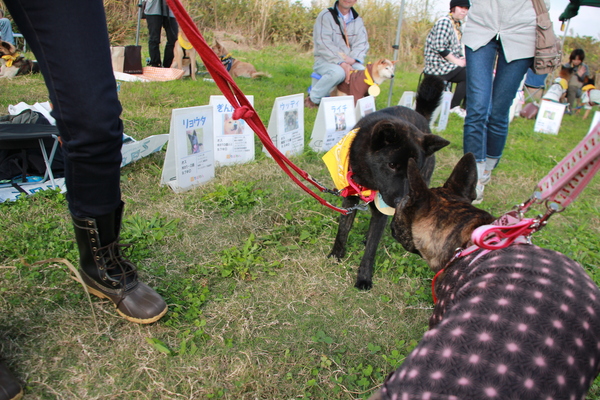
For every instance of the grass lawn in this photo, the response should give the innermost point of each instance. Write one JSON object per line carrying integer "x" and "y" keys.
{"x": 257, "y": 310}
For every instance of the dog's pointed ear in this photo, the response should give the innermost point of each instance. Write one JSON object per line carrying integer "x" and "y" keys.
{"x": 433, "y": 143}
{"x": 463, "y": 179}
{"x": 383, "y": 134}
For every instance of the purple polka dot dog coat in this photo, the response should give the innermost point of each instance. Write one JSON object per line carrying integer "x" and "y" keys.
{"x": 517, "y": 323}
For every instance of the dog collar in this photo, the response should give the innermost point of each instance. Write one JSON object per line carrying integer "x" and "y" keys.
{"x": 505, "y": 231}
{"x": 374, "y": 89}
{"x": 184, "y": 43}
{"x": 337, "y": 160}
{"x": 9, "y": 59}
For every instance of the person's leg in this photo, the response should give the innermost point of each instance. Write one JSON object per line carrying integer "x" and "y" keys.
{"x": 331, "y": 76}
{"x": 480, "y": 74}
{"x": 506, "y": 84}
{"x": 572, "y": 91}
{"x": 87, "y": 112}
{"x": 154, "y": 26}
{"x": 171, "y": 30}
{"x": 6, "y": 32}
{"x": 458, "y": 76}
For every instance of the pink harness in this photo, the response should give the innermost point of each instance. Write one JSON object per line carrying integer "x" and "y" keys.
{"x": 556, "y": 190}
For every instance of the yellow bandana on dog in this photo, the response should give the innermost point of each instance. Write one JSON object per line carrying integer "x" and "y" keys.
{"x": 184, "y": 43}
{"x": 374, "y": 89}
{"x": 337, "y": 160}
{"x": 9, "y": 59}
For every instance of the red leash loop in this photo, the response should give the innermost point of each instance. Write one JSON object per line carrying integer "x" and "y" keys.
{"x": 238, "y": 101}
{"x": 243, "y": 112}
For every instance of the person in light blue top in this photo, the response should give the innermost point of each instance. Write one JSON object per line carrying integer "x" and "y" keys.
{"x": 6, "y": 32}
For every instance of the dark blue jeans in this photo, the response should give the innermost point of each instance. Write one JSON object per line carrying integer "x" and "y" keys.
{"x": 70, "y": 41}
{"x": 492, "y": 85}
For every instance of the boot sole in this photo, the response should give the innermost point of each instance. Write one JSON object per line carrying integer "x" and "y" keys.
{"x": 129, "y": 318}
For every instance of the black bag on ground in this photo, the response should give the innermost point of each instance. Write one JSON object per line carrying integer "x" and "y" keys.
{"x": 133, "y": 60}
{"x": 19, "y": 161}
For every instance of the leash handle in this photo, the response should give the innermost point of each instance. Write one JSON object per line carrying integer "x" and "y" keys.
{"x": 237, "y": 99}
{"x": 494, "y": 237}
{"x": 568, "y": 178}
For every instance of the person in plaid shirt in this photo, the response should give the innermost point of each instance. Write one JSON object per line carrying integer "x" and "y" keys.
{"x": 444, "y": 54}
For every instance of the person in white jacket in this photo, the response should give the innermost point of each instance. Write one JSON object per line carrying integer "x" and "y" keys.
{"x": 499, "y": 39}
{"x": 340, "y": 46}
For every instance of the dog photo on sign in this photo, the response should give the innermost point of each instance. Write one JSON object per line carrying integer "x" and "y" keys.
{"x": 290, "y": 118}
{"x": 195, "y": 141}
{"x": 232, "y": 126}
{"x": 340, "y": 122}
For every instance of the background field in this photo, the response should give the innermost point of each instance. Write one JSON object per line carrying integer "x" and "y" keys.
{"x": 257, "y": 310}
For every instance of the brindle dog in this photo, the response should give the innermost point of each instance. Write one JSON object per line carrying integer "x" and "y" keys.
{"x": 379, "y": 154}
{"x": 521, "y": 322}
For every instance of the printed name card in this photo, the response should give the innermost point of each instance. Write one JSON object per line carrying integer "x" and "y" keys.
{"x": 549, "y": 117}
{"x": 234, "y": 140}
{"x": 365, "y": 106}
{"x": 286, "y": 125}
{"x": 407, "y": 99}
{"x": 190, "y": 155}
{"x": 335, "y": 118}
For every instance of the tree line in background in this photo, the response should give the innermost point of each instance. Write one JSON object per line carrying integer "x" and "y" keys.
{"x": 277, "y": 22}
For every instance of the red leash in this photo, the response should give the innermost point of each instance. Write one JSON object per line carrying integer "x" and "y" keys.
{"x": 243, "y": 108}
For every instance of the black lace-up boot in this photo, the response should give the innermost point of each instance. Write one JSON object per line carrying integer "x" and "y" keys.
{"x": 9, "y": 387}
{"x": 108, "y": 274}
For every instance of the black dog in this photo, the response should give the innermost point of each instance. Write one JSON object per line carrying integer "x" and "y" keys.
{"x": 379, "y": 154}
{"x": 520, "y": 322}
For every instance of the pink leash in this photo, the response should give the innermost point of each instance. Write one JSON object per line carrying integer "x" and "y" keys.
{"x": 557, "y": 190}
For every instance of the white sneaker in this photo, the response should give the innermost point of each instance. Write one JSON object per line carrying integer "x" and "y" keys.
{"x": 461, "y": 112}
{"x": 479, "y": 189}
{"x": 486, "y": 178}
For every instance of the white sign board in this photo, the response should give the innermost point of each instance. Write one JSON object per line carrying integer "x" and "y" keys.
{"x": 439, "y": 120}
{"x": 286, "y": 125}
{"x": 364, "y": 106}
{"x": 335, "y": 118}
{"x": 549, "y": 117}
{"x": 234, "y": 140}
{"x": 190, "y": 159}
{"x": 407, "y": 99}
{"x": 134, "y": 150}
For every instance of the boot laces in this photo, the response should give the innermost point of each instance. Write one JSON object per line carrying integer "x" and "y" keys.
{"x": 118, "y": 269}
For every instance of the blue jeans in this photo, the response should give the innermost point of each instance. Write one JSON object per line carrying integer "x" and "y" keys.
{"x": 70, "y": 41}
{"x": 489, "y": 99}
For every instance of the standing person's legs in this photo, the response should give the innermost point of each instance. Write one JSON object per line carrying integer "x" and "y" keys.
{"x": 154, "y": 26}
{"x": 171, "y": 30}
{"x": 87, "y": 112}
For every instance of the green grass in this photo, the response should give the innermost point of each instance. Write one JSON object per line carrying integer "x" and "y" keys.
{"x": 257, "y": 310}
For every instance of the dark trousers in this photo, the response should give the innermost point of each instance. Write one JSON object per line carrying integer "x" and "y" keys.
{"x": 458, "y": 76}
{"x": 155, "y": 23}
{"x": 70, "y": 41}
